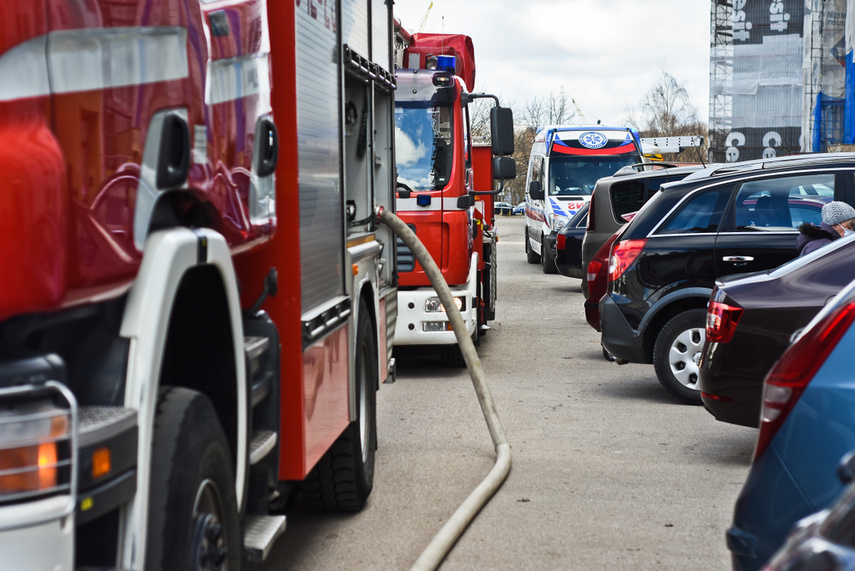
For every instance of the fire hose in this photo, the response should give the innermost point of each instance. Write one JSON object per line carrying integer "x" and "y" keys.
{"x": 445, "y": 539}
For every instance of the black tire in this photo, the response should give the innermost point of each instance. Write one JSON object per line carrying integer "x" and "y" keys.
{"x": 343, "y": 478}
{"x": 547, "y": 261}
{"x": 192, "y": 520}
{"x": 677, "y": 352}
{"x": 531, "y": 256}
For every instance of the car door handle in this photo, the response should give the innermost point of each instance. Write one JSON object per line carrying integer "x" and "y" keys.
{"x": 738, "y": 258}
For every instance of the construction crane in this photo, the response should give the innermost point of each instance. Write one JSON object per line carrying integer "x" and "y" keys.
{"x": 424, "y": 20}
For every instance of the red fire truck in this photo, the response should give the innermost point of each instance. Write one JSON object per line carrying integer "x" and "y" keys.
{"x": 446, "y": 188}
{"x": 197, "y": 305}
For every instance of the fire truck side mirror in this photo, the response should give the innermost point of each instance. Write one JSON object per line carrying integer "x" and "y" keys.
{"x": 504, "y": 168}
{"x": 502, "y": 127}
{"x": 535, "y": 190}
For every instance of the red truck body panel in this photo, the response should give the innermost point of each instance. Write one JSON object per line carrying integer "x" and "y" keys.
{"x": 457, "y": 45}
{"x": 74, "y": 136}
{"x": 313, "y": 394}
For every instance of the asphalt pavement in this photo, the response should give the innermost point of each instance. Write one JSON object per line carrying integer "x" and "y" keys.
{"x": 608, "y": 470}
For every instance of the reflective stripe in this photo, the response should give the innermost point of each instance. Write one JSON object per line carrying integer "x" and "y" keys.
{"x": 234, "y": 78}
{"x": 93, "y": 59}
{"x": 24, "y": 71}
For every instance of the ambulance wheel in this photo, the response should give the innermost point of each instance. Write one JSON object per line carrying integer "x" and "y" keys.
{"x": 192, "y": 520}
{"x": 531, "y": 256}
{"x": 547, "y": 261}
{"x": 343, "y": 478}
{"x": 677, "y": 355}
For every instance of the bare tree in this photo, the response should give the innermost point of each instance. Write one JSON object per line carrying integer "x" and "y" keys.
{"x": 667, "y": 110}
{"x": 551, "y": 109}
{"x": 548, "y": 110}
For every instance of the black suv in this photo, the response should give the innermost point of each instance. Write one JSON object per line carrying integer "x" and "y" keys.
{"x": 726, "y": 219}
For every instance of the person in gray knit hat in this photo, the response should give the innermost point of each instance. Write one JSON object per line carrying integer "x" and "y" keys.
{"x": 838, "y": 219}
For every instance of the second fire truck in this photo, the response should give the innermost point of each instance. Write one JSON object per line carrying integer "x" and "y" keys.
{"x": 446, "y": 188}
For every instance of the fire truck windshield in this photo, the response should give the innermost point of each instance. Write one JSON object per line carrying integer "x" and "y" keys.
{"x": 577, "y": 175}
{"x": 423, "y": 144}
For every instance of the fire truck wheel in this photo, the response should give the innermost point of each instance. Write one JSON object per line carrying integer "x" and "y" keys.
{"x": 192, "y": 520}
{"x": 531, "y": 256}
{"x": 343, "y": 478}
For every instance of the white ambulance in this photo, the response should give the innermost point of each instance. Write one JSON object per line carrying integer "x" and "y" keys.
{"x": 564, "y": 166}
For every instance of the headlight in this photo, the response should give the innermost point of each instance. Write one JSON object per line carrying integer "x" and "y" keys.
{"x": 434, "y": 305}
{"x": 557, "y": 222}
{"x": 31, "y": 456}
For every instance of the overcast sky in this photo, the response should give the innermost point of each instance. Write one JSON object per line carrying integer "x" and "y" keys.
{"x": 605, "y": 54}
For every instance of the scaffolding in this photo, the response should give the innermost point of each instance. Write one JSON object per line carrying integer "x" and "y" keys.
{"x": 823, "y": 107}
{"x": 756, "y": 94}
{"x": 721, "y": 78}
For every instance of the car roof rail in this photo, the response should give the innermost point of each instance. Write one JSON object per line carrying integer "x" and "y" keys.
{"x": 651, "y": 166}
{"x": 785, "y": 161}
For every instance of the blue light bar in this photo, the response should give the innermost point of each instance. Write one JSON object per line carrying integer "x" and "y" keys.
{"x": 446, "y": 63}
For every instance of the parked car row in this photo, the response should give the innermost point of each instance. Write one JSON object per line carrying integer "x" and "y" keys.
{"x": 506, "y": 209}
{"x": 695, "y": 271}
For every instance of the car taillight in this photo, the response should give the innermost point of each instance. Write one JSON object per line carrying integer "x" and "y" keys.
{"x": 593, "y": 270}
{"x": 623, "y": 255}
{"x": 560, "y": 241}
{"x": 721, "y": 321}
{"x": 788, "y": 379}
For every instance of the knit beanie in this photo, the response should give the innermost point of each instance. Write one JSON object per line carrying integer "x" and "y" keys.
{"x": 837, "y": 212}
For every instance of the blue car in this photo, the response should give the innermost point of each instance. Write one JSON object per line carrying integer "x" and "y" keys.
{"x": 824, "y": 540}
{"x": 807, "y": 425}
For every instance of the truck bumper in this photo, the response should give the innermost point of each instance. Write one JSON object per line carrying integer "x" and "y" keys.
{"x": 47, "y": 545}
{"x": 415, "y": 326}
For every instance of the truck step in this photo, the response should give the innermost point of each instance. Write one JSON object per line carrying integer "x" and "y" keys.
{"x": 260, "y": 533}
{"x": 100, "y": 423}
{"x": 263, "y": 443}
{"x": 255, "y": 348}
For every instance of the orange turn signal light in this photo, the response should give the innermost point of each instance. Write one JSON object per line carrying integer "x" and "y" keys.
{"x": 101, "y": 462}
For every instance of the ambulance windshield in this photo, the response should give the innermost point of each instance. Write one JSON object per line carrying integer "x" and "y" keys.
{"x": 577, "y": 175}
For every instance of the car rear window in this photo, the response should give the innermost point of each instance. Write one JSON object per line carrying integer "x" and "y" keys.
{"x": 630, "y": 196}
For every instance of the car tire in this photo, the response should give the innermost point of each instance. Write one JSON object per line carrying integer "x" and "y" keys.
{"x": 547, "y": 261}
{"x": 193, "y": 521}
{"x": 676, "y": 355}
{"x": 531, "y": 256}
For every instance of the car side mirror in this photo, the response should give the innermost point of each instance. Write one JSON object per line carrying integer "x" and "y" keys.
{"x": 535, "y": 190}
